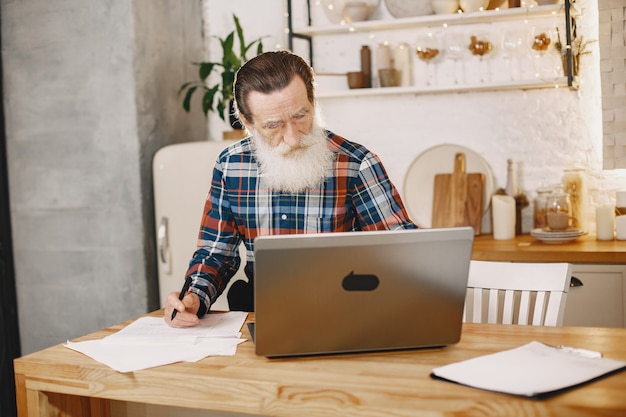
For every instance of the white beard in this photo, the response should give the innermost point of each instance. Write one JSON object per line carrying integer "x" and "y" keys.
{"x": 291, "y": 169}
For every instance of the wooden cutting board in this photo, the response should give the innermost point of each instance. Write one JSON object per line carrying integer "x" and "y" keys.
{"x": 458, "y": 197}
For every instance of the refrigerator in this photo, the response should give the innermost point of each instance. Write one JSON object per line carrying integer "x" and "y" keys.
{"x": 181, "y": 178}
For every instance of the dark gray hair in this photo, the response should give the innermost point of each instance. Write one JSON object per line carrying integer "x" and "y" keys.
{"x": 267, "y": 73}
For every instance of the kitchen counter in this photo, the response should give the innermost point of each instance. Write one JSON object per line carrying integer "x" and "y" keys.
{"x": 525, "y": 248}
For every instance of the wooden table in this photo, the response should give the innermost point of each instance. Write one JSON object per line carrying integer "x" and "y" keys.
{"x": 525, "y": 248}
{"x": 61, "y": 382}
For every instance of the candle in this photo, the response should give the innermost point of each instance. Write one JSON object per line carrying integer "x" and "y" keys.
{"x": 605, "y": 222}
{"x": 402, "y": 62}
{"x": 620, "y": 227}
{"x": 620, "y": 201}
{"x": 503, "y": 213}
{"x": 383, "y": 56}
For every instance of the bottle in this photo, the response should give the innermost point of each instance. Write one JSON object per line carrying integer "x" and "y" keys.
{"x": 575, "y": 185}
{"x": 366, "y": 66}
{"x": 539, "y": 206}
{"x": 511, "y": 178}
{"x": 512, "y": 190}
{"x": 620, "y": 215}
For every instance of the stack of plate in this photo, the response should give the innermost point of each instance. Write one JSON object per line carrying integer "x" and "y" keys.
{"x": 551, "y": 236}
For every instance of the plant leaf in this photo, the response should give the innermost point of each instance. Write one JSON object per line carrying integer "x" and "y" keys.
{"x": 187, "y": 99}
{"x": 227, "y": 45}
{"x": 221, "y": 108}
{"x": 228, "y": 79}
{"x": 184, "y": 86}
{"x": 242, "y": 43}
{"x": 207, "y": 99}
{"x": 205, "y": 69}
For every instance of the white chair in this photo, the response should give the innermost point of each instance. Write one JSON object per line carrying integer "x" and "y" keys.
{"x": 517, "y": 292}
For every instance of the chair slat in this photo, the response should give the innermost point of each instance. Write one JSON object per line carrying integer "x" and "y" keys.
{"x": 492, "y": 314}
{"x": 507, "y": 308}
{"x": 540, "y": 303}
{"x": 478, "y": 306}
{"x": 524, "y": 307}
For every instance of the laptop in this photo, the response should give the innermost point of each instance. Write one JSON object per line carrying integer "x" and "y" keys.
{"x": 360, "y": 291}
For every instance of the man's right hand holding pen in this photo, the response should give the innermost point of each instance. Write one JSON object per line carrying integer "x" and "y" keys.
{"x": 181, "y": 308}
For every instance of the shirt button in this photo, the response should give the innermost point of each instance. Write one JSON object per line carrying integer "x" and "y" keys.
{"x": 284, "y": 217}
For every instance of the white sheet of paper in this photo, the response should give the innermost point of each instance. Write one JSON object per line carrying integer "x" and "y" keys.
{"x": 528, "y": 370}
{"x": 150, "y": 342}
{"x": 154, "y": 329}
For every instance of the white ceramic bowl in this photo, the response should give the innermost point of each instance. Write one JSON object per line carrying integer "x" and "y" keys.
{"x": 473, "y": 5}
{"x": 356, "y": 11}
{"x": 445, "y": 6}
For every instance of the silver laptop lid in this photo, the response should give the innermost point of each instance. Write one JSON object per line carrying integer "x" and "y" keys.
{"x": 360, "y": 291}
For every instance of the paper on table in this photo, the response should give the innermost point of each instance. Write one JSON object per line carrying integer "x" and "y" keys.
{"x": 154, "y": 329}
{"x": 529, "y": 370}
{"x": 148, "y": 342}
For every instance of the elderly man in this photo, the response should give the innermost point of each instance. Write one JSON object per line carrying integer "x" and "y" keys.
{"x": 289, "y": 176}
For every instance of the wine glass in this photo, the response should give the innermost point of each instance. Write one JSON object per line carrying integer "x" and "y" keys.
{"x": 481, "y": 46}
{"x": 542, "y": 43}
{"x": 428, "y": 49}
{"x": 513, "y": 46}
{"x": 456, "y": 50}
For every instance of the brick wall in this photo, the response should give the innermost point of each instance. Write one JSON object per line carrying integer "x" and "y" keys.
{"x": 612, "y": 17}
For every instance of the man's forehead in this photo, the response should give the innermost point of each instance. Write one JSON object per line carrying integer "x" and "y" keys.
{"x": 288, "y": 102}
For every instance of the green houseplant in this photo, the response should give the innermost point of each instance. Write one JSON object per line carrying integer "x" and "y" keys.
{"x": 218, "y": 97}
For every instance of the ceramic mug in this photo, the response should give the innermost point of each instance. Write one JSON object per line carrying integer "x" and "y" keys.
{"x": 356, "y": 79}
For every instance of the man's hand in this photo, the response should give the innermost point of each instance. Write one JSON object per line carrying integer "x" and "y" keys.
{"x": 187, "y": 310}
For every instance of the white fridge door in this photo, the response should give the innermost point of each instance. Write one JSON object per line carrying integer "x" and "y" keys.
{"x": 181, "y": 177}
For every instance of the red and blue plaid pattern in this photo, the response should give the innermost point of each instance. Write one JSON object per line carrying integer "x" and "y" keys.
{"x": 357, "y": 195}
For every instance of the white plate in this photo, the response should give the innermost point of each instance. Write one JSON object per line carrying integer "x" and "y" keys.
{"x": 419, "y": 180}
{"x": 556, "y": 237}
{"x": 409, "y": 8}
{"x": 542, "y": 233}
{"x": 557, "y": 240}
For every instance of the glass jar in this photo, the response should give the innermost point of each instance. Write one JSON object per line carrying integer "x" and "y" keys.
{"x": 575, "y": 184}
{"x": 559, "y": 210}
{"x": 539, "y": 205}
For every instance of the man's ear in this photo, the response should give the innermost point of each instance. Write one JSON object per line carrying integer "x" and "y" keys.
{"x": 247, "y": 124}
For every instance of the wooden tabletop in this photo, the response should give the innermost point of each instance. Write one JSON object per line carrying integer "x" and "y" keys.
{"x": 525, "y": 248}
{"x": 386, "y": 384}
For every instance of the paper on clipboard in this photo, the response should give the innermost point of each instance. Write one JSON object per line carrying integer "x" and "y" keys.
{"x": 530, "y": 370}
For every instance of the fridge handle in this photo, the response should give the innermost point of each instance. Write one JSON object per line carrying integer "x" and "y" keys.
{"x": 163, "y": 243}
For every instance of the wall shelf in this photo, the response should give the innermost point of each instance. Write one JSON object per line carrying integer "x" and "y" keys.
{"x": 456, "y": 19}
{"x": 487, "y": 16}
{"x": 560, "y": 82}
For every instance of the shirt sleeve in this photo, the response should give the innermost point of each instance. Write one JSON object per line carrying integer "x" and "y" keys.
{"x": 377, "y": 201}
{"x": 216, "y": 259}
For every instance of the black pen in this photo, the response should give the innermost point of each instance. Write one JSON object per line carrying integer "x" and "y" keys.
{"x": 182, "y": 294}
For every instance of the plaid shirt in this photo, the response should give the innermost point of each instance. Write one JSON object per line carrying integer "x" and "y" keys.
{"x": 356, "y": 195}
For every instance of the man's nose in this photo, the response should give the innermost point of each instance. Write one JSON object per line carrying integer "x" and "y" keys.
{"x": 292, "y": 136}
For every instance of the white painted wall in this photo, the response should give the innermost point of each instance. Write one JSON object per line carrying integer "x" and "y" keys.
{"x": 544, "y": 131}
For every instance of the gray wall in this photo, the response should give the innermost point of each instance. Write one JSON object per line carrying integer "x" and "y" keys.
{"x": 90, "y": 95}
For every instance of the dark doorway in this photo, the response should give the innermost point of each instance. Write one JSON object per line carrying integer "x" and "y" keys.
{"x": 10, "y": 341}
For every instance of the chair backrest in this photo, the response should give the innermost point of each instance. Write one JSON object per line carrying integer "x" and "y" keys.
{"x": 517, "y": 293}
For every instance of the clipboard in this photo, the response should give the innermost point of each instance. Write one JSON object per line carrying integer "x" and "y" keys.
{"x": 533, "y": 370}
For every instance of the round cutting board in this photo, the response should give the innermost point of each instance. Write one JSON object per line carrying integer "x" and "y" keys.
{"x": 419, "y": 181}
